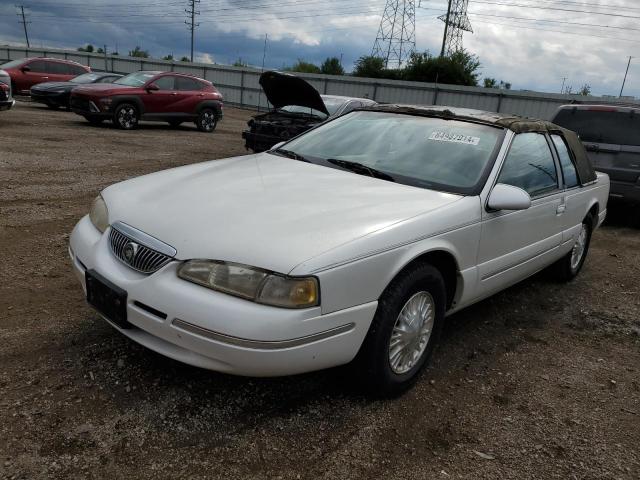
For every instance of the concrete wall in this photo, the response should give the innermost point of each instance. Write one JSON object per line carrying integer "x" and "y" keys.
{"x": 240, "y": 85}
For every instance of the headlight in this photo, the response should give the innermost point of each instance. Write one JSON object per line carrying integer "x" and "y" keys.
{"x": 252, "y": 283}
{"x": 99, "y": 214}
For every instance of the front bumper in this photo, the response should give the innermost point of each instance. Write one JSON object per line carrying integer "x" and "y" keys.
{"x": 216, "y": 331}
{"x": 7, "y": 104}
{"x": 59, "y": 99}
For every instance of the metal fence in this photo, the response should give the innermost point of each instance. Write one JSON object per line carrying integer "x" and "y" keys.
{"x": 240, "y": 86}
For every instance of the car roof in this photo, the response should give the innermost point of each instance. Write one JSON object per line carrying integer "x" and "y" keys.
{"x": 345, "y": 99}
{"x": 603, "y": 107}
{"x": 63, "y": 60}
{"x": 515, "y": 123}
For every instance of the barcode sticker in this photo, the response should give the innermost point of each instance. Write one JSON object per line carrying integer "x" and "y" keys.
{"x": 454, "y": 138}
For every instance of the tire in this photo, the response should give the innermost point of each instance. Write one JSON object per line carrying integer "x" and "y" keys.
{"x": 384, "y": 370}
{"x": 175, "y": 123}
{"x": 126, "y": 116}
{"x": 94, "y": 120}
{"x": 569, "y": 266}
{"x": 207, "y": 120}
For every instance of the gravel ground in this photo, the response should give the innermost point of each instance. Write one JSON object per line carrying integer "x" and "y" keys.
{"x": 541, "y": 381}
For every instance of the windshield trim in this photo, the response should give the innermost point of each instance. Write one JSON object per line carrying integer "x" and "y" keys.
{"x": 475, "y": 190}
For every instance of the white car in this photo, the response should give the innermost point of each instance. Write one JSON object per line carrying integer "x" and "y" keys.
{"x": 350, "y": 242}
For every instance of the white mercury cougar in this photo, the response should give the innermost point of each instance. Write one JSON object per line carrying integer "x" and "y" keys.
{"x": 349, "y": 243}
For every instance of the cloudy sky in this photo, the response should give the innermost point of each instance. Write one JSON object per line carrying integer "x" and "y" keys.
{"x": 533, "y": 44}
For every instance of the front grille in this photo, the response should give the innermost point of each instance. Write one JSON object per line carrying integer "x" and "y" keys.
{"x": 135, "y": 255}
{"x": 80, "y": 103}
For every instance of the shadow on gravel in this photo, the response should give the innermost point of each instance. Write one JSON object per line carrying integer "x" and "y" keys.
{"x": 623, "y": 214}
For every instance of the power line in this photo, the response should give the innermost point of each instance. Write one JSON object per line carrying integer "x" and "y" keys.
{"x": 191, "y": 11}
{"x": 24, "y": 23}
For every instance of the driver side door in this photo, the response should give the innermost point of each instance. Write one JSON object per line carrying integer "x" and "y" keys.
{"x": 158, "y": 102}
{"x": 516, "y": 244}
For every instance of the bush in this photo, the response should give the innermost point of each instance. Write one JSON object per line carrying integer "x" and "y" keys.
{"x": 304, "y": 67}
{"x": 331, "y": 66}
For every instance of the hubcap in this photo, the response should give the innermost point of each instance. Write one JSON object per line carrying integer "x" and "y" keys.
{"x": 127, "y": 117}
{"x": 208, "y": 120}
{"x": 578, "y": 248}
{"x": 411, "y": 332}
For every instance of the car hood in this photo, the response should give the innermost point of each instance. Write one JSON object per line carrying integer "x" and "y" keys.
{"x": 48, "y": 86}
{"x": 94, "y": 88}
{"x": 263, "y": 210}
{"x": 284, "y": 89}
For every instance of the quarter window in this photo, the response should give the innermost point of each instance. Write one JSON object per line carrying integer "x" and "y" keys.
{"x": 76, "y": 70}
{"x": 529, "y": 165}
{"x": 58, "y": 68}
{"x": 568, "y": 168}
{"x": 165, "y": 83}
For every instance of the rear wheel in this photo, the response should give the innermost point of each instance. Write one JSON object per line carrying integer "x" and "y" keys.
{"x": 126, "y": 116}
{"x": 568, "y": 267}
{"x": 404, "y": 330}
{"x": 207, "y": 120}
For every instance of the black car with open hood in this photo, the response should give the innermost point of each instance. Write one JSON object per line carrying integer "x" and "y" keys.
{"x": 297, "y": 107}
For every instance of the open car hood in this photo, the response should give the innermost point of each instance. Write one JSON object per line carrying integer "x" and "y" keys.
{"x": 284, "y": 89}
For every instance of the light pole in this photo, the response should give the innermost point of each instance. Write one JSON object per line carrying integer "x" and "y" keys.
{"x": 625, "y": 77}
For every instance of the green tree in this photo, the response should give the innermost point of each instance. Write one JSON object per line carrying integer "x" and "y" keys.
{"x": 239, "y": 63}
{"x": 331, "y": 66}
{"x": 460, "y": 68}
{"x": 490, "y": 83}
{"x": 88, "y": 48}
{"x": 585, "y": 90}
{"x": 304, "y": 67}
{"x": 100, "y": 50}
{"x": 138, "y": 52}
{"x": 168, "y": 57}
{"x": 185, "y": 59}
{"x": 369, "y": 66}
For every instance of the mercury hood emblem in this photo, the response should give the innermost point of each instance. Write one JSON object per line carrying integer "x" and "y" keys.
{"x": 130, "y": 250}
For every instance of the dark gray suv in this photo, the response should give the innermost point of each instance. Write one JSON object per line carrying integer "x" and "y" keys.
{"x": 611, "y": 135}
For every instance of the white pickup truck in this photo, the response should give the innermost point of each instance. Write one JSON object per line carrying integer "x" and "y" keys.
{"x": 350, "y": 242}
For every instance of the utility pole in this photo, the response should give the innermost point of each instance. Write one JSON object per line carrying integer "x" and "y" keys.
{"x": 446, "y": 29}
{"x": 24, "y": 23}
{"x": 106, "y": 66}
{"x": 564, "y": 79}
{"x": 456, "y": 22}
{"x": 625, "y": 77}
{"x": 191, "y": 23}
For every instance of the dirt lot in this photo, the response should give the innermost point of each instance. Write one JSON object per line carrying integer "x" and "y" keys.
{"x": 541, "y": 381}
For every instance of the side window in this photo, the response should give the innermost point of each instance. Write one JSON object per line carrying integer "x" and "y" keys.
{"x": 57, "y": 68}
{"x": 568, "y": 168}
{"x": 529, "y": 165}
{"x": 187, "y": 84}
{"x": 165, "y": 83}
{"x": 38, "y": 66}
{"x": 107, "y": 80}
{"x": 76, "y": 70}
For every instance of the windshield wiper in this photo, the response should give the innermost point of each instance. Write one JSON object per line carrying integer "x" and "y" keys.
{"x": 289, "y": 154}
{"x": 361, "y": 169}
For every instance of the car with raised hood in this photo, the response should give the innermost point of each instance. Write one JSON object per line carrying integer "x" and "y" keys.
{"x": 611, "y": 135}
{"x": 169, "y": 97}
{"x": 27, "y": 72}
{"x": 6, "y": 97}
{"x": 297, "y": 107}
{"x": 57, "y": 94}
{"x": 350, "y": 243}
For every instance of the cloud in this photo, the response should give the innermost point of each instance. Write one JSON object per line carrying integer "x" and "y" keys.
{"x": 204, "y": 58}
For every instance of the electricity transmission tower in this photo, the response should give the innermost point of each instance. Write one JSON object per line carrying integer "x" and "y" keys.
{"x": 396, "y": 39}
{"x": 24, "y": 23}
{"x": 191, "y": 23}
{"x": 456, "y": 22}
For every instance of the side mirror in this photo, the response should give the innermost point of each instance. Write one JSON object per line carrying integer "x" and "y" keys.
{"x": 507, "y": 197}
{"x": 277, "y": 145}
{"x": 26, "y": 69}
{"x": 152, "y": 87}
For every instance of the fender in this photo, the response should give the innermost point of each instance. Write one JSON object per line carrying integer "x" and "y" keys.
{"x": 135, "y": 99}
{"x": 216, "y": 105}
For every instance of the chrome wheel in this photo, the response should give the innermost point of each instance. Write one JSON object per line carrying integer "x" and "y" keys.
{"x": 127, "y": 117}
{"x": 411, "y": 332}
{"x": 208, "y": 121}
{"x": 579, "y": 247}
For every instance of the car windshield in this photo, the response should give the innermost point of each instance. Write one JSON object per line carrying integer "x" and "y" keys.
{"x": 135, "y": 79}
{"x": 307, "y": 110}
{"x": 333, "y": 104}
{"x": 439, "y": 154}
{"x": 12, "y": 63}
{"x": 86, "y": 78}
{"x": 601, "y": 125}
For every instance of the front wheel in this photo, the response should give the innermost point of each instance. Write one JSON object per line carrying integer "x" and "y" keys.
{"x": 207, "y": 120}
{"x": 404, "y": 330}
{"x": 126, "y": 116}
{"x": 568, "y": 267}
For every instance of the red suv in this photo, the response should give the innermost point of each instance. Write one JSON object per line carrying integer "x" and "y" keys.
{"x": 158, "y": 96}
{"x": 28, "y": 72}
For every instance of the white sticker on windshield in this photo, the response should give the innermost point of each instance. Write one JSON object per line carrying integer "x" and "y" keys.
{"x": 454, "y": 138}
